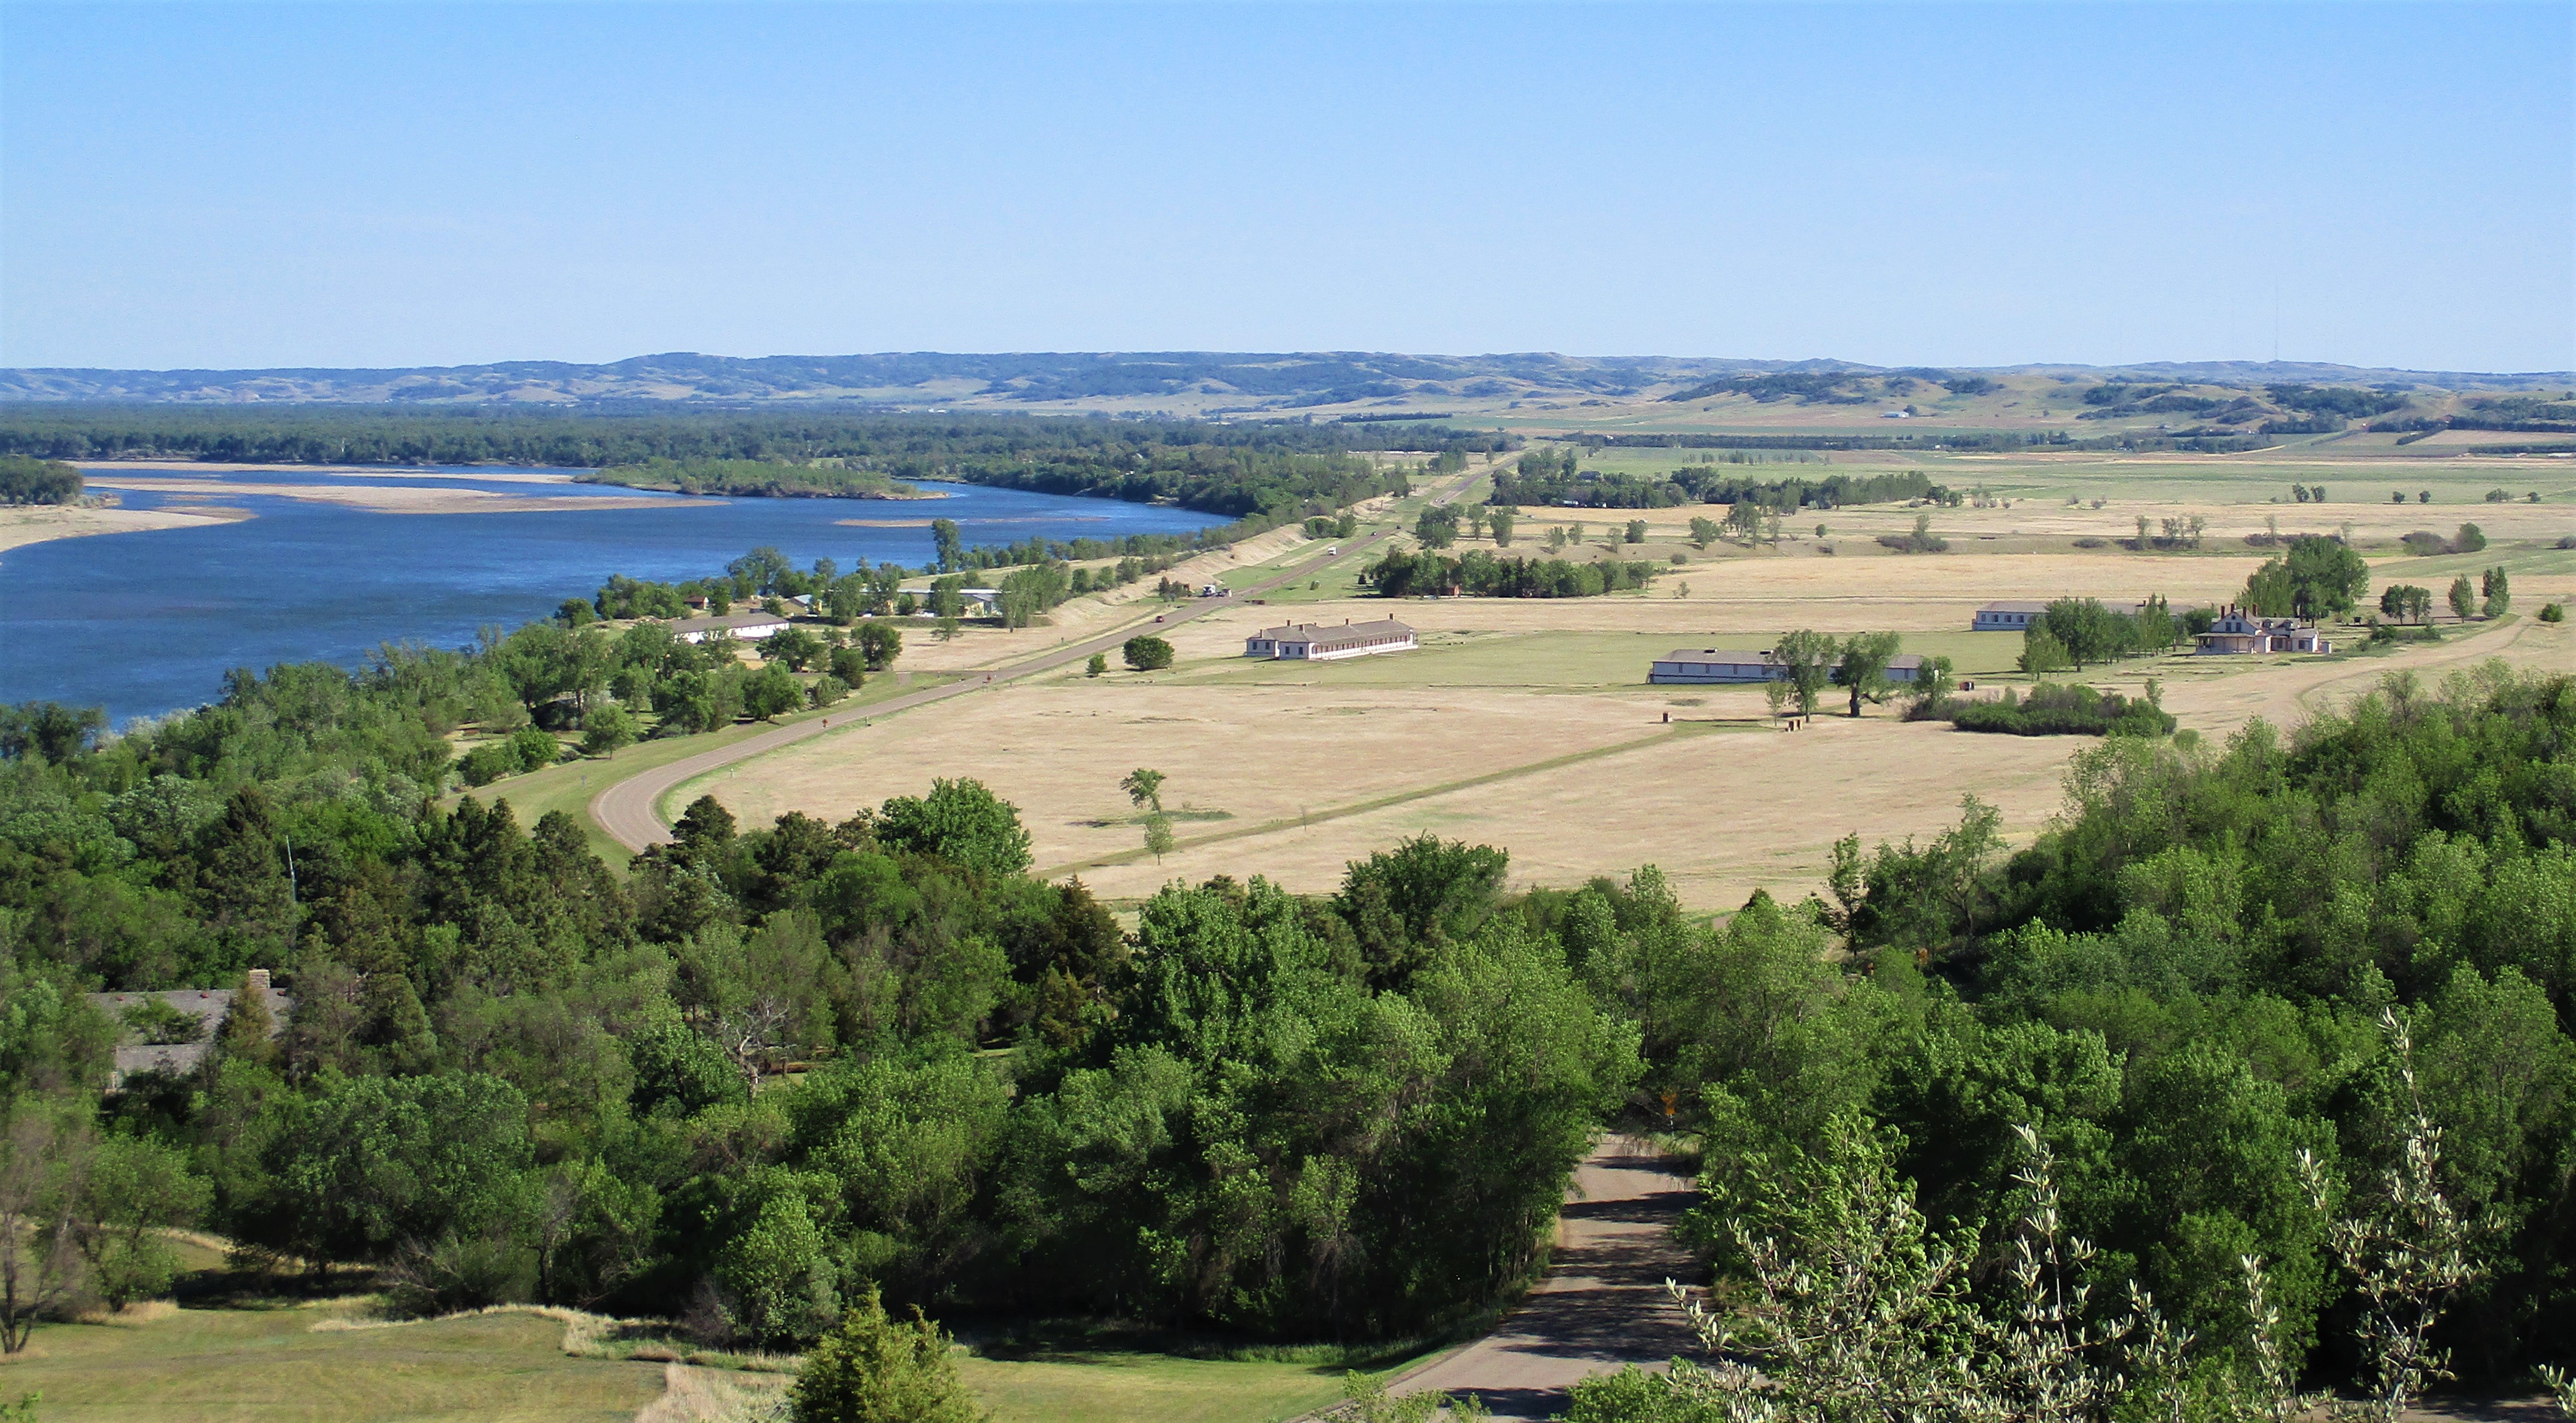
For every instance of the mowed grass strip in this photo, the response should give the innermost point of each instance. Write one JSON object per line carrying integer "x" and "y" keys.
{"x": 1117, "y": 1387}
{"x": 272, "y": 1366}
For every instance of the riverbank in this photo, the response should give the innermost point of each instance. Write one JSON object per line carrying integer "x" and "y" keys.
{"x": 24, "y": 524}
{"x": 385, "y": 498}
{"x": 503, "y": 474}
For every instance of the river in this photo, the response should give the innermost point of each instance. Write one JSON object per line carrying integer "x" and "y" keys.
{"x": 146, "y": 623}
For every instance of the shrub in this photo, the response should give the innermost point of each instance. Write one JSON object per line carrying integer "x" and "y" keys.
{"x": 537, "y": 749}
{"x": 874, "y": 1369}
{"x": 488, "y": 763}
{"x": 2054, "y": 710}
{"x": 1922, "y": 540}
{"x": 827, "y": 689}
{"x": 2553, "y": 613}
{"x": 1147, "y": 654}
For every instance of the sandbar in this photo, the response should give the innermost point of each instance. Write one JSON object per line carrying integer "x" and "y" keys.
{"x": 394, "y": 498}
{"x": 21, "y": 525}
{"x": 363, "y": 471}
{"x": 926, "y": 523}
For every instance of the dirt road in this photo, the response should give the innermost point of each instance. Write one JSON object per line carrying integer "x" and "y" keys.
{"x": 1602, "y": 1304}
{"x": 626, "y": 810}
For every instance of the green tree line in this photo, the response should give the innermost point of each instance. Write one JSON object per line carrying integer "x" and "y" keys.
{"x": 24, "y": 480}
{"x": 1487, "y": 575}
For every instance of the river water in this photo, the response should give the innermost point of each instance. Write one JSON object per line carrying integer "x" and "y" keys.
{"x": 148, "y": 622}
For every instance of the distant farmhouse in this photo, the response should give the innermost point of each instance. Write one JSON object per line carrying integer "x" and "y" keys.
{"x": 1701, "y": 666}
{"x": 747, "y": 626}
{"x": 205, "y": 1006}
{"x": 1316, "y": 642}
{"x": 2238, "y": 631}
{"x": 2022, "y": 616}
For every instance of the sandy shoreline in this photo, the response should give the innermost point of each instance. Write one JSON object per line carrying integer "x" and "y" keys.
{"x": 21, "y": 525}
{"x": 392, "y": 498}
{"x": 926, "y": 523}
{"x": 366, "y": 471}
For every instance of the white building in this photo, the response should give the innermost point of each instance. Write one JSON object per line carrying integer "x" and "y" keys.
{"x": 1315, "y": 642}
{"x": 2238, "y": 631}
{"x": 2007, "y": 617}
{"x": 1703, "y": 665}
{"x": 749, "y": 627}
{"x": 2023, "y": 616}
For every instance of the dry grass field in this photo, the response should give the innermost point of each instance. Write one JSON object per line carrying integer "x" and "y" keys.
{"x": 1528, "y": 723}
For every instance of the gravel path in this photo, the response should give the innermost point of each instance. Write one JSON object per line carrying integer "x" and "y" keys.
{"x": 1602, "y": 1304}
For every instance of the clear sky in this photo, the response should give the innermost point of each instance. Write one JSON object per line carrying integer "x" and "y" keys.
{"x": 377, "y": 184}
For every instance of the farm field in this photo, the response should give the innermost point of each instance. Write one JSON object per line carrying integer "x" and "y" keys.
{"x": 1528, "y": 724}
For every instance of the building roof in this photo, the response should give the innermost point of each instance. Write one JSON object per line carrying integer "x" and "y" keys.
{"x": 1330, "y": 632}
{"x": 207, "y": 1005}
{"x": 1750, "y": 657}
{"x": 2014, "y": 606}
{"x": 729, "y": 621}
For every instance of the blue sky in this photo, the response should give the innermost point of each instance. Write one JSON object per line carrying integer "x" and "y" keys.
{"x": 237, "y": 185}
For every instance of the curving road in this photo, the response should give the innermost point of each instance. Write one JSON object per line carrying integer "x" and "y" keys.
{"x": 626, "y": 810}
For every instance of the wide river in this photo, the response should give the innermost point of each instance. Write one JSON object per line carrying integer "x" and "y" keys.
{"x": 146, "y": 623}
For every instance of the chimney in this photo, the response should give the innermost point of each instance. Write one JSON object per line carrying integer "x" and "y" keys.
{"x": 259, "y": 981}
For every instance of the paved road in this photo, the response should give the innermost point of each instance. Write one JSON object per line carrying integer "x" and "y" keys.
{"x": 1602, "y": 1304}
{"x": 626, "y": 810}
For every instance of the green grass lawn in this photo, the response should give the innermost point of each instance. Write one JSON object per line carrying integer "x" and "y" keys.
{"x": 267, "y": 1362}
{"x": 272, "y": 1366}
{"x": 1110, "y": 1386}
{"x": 568, "y": 787}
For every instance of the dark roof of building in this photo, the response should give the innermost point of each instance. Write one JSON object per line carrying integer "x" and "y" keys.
{"x": 1751, "y": 657}
{"x": 1331, "y": 632}
{"x": 207, "y": 1005}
